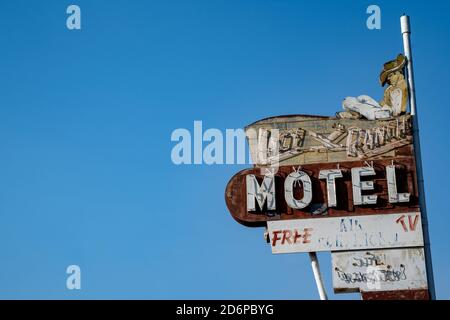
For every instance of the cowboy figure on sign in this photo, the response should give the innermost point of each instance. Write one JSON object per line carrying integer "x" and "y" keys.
{"x": 394, "y": 100}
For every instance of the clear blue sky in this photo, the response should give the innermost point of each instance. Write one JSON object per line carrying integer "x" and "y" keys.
{"x": 86, "y": 116}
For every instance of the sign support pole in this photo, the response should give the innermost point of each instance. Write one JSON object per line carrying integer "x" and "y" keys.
{"x": 406, "y": 32}
{"x": 318, "y": 276}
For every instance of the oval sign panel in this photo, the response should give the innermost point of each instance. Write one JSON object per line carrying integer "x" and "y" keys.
{"x": 255, "y": 196}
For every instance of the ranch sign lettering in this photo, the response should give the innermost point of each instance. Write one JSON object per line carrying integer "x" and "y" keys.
{"x": 342, "y": 184}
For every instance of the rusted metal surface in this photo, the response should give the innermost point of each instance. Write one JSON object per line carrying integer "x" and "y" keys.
{"x": 297, "y": 140}
{"x": 379, "y": 270}
{"x": 346, "y": 233}
{"x": 236, "y": 192}
{"x": 397, "y": 295}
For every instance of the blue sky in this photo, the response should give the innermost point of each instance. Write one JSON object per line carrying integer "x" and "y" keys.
{"x": 86, "y": 117}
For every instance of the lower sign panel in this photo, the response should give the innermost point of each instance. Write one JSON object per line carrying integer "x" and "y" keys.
{"x": 379, "y": 270}
{"x": 346, "y": 233}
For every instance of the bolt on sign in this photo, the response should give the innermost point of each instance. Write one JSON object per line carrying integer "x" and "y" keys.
{"x": 379, "y": 270}
{"x": 341, "y": 184}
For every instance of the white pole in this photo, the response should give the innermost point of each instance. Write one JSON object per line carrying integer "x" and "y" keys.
{"x": 406, "y": 32}
{"x": 318, "y": 276}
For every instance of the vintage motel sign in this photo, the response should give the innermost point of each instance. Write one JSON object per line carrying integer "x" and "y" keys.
{"x": 331, "y": 184}
{"x": 345, "y": 184}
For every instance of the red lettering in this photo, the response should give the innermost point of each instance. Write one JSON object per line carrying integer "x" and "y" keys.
{"x": 275, "y": 237}
{"x": 306, "y": 235}
{"x": 286, "y": 237}
{"x": 402, "y": 221}
{"x": 297, "y": 236}
{"x": 413, "y": 224}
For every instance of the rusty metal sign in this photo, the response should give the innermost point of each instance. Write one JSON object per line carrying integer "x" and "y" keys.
{"x": 345, "y": 184}
{"x": 331, "y": 189}
{"x": 302, "y": 139}
{"x": 346, "y": 233}
{"x": 379, "y": 270}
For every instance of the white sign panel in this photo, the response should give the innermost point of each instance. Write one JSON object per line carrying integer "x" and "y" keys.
{"x": 379, "y": 270}
{"x": 346, "y": 233}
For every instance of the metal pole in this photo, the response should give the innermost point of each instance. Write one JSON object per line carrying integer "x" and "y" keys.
{"x": 318, "y": 276}
{"x": 406, "y": 32}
